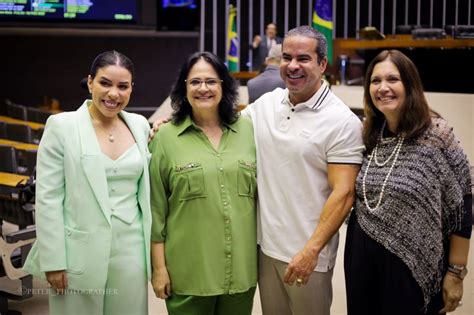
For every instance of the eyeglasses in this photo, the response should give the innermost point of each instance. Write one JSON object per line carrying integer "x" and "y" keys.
{"x": 210, "y": 83}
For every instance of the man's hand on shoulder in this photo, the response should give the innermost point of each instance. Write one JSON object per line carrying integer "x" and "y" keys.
{"x": 156, "y": 126}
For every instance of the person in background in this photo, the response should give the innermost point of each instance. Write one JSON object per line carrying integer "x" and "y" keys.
{"x": 261, "y": 45}
{"x": 203, "y": 196}
{"x": 93, "y": 219}
{"x": 270, "y": 78}
{"x": 408, "y": 235}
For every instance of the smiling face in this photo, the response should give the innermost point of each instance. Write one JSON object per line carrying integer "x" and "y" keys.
{"x": 110, "y": 88}
{"x": 203, "y": 87}
{"x": 387, "y": 90}
{"x": 300, "y": 69}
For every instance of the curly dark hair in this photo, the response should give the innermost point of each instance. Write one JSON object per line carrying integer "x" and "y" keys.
{"x": 415, "y": 114}
{"x": 228, "y": 112}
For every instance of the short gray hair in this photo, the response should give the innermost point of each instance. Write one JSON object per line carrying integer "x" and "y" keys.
{"x": 275, "y": 52}
{"x": 308, "y": 31}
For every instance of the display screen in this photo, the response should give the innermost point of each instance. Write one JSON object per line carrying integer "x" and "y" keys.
{"x": 70, "y": 10}
{"x": 190, "y": 4}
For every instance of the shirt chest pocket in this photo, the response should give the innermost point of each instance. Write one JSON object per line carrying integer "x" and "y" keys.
{"x": 190, "y": 181}
{"x": 247, "y": 179}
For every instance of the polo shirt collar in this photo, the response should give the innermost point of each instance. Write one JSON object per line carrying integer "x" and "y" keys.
{"x": 189, "y": 123}
{"x": 315, "y": 101}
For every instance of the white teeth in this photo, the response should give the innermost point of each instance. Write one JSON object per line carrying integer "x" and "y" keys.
{"x": 110, "y": 104}
{"x": 294, "y": 76}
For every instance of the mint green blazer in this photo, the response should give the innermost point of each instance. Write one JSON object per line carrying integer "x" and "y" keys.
{"x": 73, "y": 211}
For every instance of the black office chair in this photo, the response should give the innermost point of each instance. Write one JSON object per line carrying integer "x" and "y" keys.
{"x": 460, "y": 31}
{"x": 15, "y": 110}
{"x": 8, "y": 161}
{"x": 37, "y": 115}
{"x": 26, "y": 161}
{"x": 408, "y": 29}
{"x": 21, "y": 133}
{"x": 3, "y": 130}
{"x": 428, "y": 33}
{"x": 37, "y": 134}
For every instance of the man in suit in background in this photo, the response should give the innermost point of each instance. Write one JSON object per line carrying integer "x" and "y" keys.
{"x": 268, "y": 80}
{"x": 262, "y": 45}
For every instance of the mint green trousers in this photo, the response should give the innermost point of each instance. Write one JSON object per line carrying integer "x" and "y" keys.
{"x": 126, "y": 290}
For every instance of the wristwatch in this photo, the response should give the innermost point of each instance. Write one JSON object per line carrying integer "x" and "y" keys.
{"x": 459, "y": 271}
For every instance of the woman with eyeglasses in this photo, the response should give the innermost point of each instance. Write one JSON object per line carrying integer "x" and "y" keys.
{"x": 203, "y": 187}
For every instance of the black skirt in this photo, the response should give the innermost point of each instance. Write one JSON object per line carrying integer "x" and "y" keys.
{"x": 377, "y": 281}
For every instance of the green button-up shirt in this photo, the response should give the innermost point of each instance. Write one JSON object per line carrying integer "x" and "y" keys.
{"x": 204, "y": 207}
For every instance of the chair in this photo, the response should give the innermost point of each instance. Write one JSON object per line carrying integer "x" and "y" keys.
{"x": 26, "y": 161}
{"x": 3, "y": 130}
{"x": 37, "y": 134}
{"x": 408, "y": 29}
{"x": 460, "y": 31}
{"x": 428, "y": 33}
{"x": 21, "y": 133}
{"x": 15, "y": 110}
{"x": 14, "y": 246}
{"x": 36, "y": 115}
{"x": 8, "y": 162}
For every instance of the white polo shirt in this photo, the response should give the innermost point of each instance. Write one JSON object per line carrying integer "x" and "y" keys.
{"x": 294, "y": 146}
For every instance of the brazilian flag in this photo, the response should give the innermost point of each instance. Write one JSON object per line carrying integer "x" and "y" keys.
{"x": 232, "y": 41}
{"x": 322, "y": 21}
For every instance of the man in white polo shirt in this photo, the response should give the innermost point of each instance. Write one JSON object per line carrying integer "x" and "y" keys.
{"x": 309, "y": 150}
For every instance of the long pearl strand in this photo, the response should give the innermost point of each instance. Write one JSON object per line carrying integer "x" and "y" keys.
{"x": 396, "y": 152}
{"x": 382, "y": 140}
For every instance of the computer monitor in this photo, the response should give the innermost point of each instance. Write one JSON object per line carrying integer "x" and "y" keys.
{"x": 178, "y": 15}
{"x": 70, "y": 11}
{"x": 190, "y": 4}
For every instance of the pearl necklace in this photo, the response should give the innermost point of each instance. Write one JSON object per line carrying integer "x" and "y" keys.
{"x": 395, "y": 153}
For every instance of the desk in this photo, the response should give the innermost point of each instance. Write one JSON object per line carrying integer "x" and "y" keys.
{"x": 8, "y": 190}
{"x": 11, "y": 180}
{"x": 453, "y": 76}
{"x": 246, "y": 75}
{"x": 33, "y": 125}
{"x": 402, "y": 41}
{"x": 19, "y": 145}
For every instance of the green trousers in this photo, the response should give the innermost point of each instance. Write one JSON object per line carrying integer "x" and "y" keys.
{"x": 126, "y": 290}
{"x": 225, "y": 304}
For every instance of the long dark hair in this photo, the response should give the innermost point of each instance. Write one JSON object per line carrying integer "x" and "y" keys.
{"x": 415, "y": 114}
{"x": 228, "y": 105}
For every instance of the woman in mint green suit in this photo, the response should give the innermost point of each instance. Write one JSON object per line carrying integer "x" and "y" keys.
{"x": 92, "y": 200}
